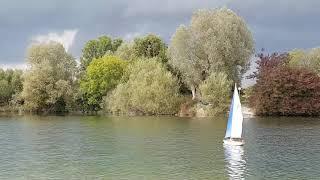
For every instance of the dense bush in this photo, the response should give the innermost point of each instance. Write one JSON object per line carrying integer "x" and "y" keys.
{"x": 102, "y": 75}
{"x": 283, "y": 90}
{"x": 10, "y": 85}
{"x": 215, "y": 92}
{"x": 148, "y": 89}
{"x": 306, "y": 59}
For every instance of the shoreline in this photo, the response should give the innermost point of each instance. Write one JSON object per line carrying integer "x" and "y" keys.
{"x": 248, "y": 112}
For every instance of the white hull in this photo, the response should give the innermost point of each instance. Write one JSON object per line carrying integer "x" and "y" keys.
{"x": 233, "y": 142}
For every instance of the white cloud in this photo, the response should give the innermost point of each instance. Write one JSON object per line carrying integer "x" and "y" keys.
{"x": 66, "y": 38}
{"x": 14, "y": 66}
{"x": 131, "y": 36}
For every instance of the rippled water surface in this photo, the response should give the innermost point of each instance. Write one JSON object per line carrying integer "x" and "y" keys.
{"x": 76, "y": 147}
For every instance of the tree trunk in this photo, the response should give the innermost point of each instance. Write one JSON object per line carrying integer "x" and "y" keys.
{"x": 194, "y": 92}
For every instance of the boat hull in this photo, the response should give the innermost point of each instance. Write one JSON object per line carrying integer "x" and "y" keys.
{"x": 234, "y": 142}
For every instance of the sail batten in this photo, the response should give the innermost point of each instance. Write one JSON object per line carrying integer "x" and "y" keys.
{"x": 235, "y": 120}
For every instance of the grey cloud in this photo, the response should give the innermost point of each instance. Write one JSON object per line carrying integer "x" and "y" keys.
{"x": 167, "y": 7}
{"x": 281, "y": 25}
{"x": 276, "y": 25}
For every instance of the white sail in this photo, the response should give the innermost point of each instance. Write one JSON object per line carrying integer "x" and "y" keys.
{"x": 234, "y": 127}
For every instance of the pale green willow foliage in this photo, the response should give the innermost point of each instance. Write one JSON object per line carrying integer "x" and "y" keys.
{"x": 306, "y": 59}
{"x": 216, "y": 41}
{"x": 150, "y": 89}
{"x": 126, "y": 51}
{"x": 10, "y": 85}
{"x": 148, "y": 46}
{"x": 49, "y": 79}
{"x": 216, "y": 92}
{"x": 5, "y": 92}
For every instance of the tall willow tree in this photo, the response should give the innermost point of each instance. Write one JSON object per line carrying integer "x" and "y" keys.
{"x": 49, "y": 79}
{"x": 216, "y": 41}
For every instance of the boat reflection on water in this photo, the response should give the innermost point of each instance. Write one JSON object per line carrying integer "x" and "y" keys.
{"x": 235, "y": 161}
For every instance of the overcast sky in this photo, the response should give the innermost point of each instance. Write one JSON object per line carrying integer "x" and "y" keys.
{"x": 277, "y": 25}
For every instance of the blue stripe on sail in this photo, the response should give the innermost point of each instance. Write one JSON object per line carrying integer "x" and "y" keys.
{"x": 229, "y": 125}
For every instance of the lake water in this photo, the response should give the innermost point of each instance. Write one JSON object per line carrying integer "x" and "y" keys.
{"x": 77, "y": 147}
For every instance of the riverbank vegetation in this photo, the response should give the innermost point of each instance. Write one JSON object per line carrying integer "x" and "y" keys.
{"x": 50, "y": 80}
{"x": 148, "y": 88}
{"x": 10, "y": 89}
{"x": 287, "y": 84}
{"x": 191, "y": 75}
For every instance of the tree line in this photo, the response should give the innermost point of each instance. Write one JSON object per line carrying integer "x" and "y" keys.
{"x": 287, "y": 84}
{"x": 193, "y": 74}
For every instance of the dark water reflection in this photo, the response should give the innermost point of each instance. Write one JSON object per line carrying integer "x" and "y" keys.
{"x": 76, "y": 147}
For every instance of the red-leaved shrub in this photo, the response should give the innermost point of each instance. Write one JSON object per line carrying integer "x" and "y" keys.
{"x": 285, "y": 91}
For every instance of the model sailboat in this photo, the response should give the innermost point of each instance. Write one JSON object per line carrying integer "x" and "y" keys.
{"x": 234, "y": 127}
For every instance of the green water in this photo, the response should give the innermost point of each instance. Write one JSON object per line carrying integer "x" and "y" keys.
{"x": 76, "y": 147}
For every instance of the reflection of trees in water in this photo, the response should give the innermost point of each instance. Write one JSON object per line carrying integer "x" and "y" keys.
{"x": 235, "y": 162}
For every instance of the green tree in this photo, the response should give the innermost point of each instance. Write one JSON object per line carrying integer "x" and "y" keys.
{"x": 5, "y": 92}
{"x": 16, "y": 81}
{"x": 97, "y": 48}
{"x": 146, "y": 47}
{"x": 116, "y": 43}
{"x": 150, "y": 46}
{"x": 126, "y": 51}
{"x": 216, "y": 92}
{"x": 149, "y": 89}
{"x": 48, "y": 82}
{"x": 306, "y": 59}
{"x": 10, "y": 85}
{"x": 216, "y": 41}
{"x": 102, "y": 75}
